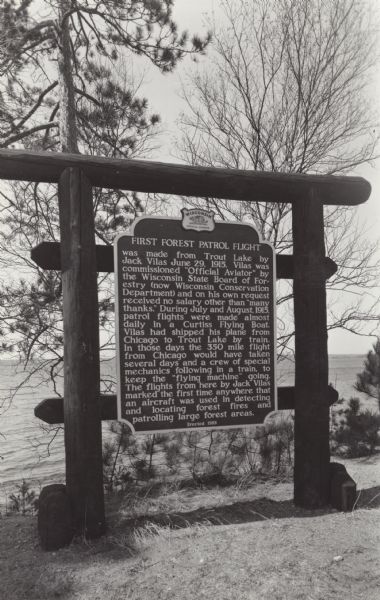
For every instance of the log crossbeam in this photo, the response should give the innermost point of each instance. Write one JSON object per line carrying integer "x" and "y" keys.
{"x": 184, "y": 180}
{"x": 47, "y": 255}
{"x": 51, "y": 410}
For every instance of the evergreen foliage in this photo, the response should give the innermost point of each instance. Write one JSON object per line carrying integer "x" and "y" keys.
{"x": 355, "y": 432}
{"x": 207, "y": 457}
{"x": 368, "y": 381}
{"x": 96, "y": 40}
{"x": 101, "y": 36}
{"x": 24, "y": 499}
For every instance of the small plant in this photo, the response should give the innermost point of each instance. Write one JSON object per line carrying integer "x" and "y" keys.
{"x": 368, "y": 381}
{"x": 126, "y": 458}
{"x": 116, "y": 473}
{"x": 173, "y": 457}
{"x": 216, "y": 457}
{"x": 209, "y": 456}
{"x": 24, "y": 500}
{"x": 276, "y": 445}
{"x": 354, "y": 432}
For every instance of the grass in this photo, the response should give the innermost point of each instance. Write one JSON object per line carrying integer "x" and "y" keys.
{"x": 186, "y": 496}
{"x": 244, "y": 541}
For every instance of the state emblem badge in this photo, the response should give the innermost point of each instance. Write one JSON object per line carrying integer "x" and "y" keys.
{"x": 198, "y": 219}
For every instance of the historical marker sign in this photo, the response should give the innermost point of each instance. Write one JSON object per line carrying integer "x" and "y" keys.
{"x": 195, "y": 324}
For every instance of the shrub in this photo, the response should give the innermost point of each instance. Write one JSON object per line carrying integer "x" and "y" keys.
{"x": 24, "y": 500}
{"x": 368, "y": 381}
{"x": 355, "y": 433}
{"x": 276, "y": 445}
{"x": 115, "y": 472}
{"x": 127, "y": 458}
{"x": 209, "y": 457}
{"x": 213, "y": 456}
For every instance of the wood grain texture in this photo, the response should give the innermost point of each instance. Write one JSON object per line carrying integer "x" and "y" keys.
{"x": 47, "y": 256}
{"x": 83, "y": 442}
{"x": 167, "y": 178}
{"x": 312, "y": 454}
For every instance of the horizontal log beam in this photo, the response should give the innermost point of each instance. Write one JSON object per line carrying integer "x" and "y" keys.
{"x": 184, "y": 180}
{"x": 50, "y": 410}
{"x": 47, "y": 255}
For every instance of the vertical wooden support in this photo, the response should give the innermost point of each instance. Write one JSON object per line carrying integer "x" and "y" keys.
{"x": 83, "y": 444}
{"x": 312, "y": 454}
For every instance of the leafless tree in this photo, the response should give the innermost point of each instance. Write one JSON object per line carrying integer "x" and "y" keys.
{"x": 286, "y": 89}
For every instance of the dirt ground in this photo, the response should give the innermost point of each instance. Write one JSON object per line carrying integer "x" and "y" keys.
{"x": 242, "y": 544}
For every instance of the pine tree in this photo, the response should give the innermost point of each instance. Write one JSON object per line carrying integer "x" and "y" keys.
{"x": 368, "y": 381}
{"x": 66, "y": 84}
{"x": 114, "y": 122}
{"x": 74, "y": 36}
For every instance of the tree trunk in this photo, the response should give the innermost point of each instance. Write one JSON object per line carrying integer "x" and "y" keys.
{"x": 67, "y": 119}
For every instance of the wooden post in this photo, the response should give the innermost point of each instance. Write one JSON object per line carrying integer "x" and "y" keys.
{"x": 83, "y": 443}
{"x": 312, "y": 454}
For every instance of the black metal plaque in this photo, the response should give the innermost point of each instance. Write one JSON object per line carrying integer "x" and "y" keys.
{"x": 195, "y": 324}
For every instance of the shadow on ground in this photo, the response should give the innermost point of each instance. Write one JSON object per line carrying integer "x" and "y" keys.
{"x": 244, "y": 512}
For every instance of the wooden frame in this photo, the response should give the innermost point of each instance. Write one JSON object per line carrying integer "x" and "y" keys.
{"x": 80, "y": 259}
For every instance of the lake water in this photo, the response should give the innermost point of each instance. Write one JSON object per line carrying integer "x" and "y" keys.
{"x": 26, "y": 447}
